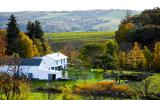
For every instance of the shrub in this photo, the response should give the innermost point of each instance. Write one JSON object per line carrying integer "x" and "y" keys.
{"x": 103, "y": 88}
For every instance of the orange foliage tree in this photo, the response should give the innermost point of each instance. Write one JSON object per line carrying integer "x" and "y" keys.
{"x": 2, "y": 42}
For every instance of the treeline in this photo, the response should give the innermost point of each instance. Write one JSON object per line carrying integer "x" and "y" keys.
{"x": 143, "y": 28}
{"x": 108, "y": 56}
{"x": 26, "y": 44}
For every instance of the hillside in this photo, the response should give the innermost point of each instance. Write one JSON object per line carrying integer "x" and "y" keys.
{"x": 76, "y": 39}
{"x": 69, "y": 21}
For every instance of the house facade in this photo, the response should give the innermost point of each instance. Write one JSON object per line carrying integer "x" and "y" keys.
{"x": 49, "y": 67}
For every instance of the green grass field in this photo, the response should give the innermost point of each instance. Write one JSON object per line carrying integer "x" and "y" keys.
{"x": 80, "y": 36}
{"x": 76, "y": 39}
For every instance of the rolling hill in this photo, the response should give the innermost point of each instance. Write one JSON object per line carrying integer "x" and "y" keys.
{"x": 69, "y": 21}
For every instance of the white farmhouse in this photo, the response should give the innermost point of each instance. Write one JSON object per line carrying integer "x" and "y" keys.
{"x": 49, "y": 67}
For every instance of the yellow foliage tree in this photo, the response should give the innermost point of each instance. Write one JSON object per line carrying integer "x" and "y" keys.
{"x": 2, "y": 42}
{"x": 38, "y": 45}
{"x": 136, "y": 58}
{"x": 27, "y": 49}
{"x": 122, "y": 57}
{"x": 156, "y": 55}
{"x": 123, "y": 30}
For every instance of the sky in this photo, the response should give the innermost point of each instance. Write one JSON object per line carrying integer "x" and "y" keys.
{"x": 69, "y": 5}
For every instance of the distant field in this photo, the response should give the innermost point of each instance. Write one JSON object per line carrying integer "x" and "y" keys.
{"x": 80, "y": 36}
{"x": 77, "y": 39}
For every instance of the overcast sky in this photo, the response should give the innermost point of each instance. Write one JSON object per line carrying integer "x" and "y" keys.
{"x": 59, "y": 5}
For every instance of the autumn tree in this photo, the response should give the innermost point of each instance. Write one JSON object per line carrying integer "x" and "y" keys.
{"x": 26, "y": 46}
{"x": 13, "y": 86}
{"x": 2, "y": 42}
{"x": 122, "y": 57}
{"x": 12, "y": 36}
{"x": 136, "y": 58}
{"x": 156, "y": 56}
{"x": 123, "y": 29}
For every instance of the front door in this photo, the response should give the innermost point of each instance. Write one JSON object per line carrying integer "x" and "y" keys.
{"x": 51, "y": 77}
{"x": 30, "y": 75}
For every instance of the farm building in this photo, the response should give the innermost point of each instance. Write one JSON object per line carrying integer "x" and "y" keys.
{"x": 49, "y": 67}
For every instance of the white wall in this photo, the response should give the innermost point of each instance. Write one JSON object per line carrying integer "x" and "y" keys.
{"x": 41, "y": 72}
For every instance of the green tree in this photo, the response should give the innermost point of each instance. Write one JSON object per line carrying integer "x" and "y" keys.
{"x": 46, "y": 48}
{"x": 12, "y": 36}
{"x": 111, "y": 50}
{"x": 148, "y": 57}
{"x": 38, "y": 30}
{"x": 31, "y": 29}
{"x": 89, "y": 54}
{"x": 108, "y": 57}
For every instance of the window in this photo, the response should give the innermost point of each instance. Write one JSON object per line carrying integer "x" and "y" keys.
{"x": 56, "y": 68}
{"x": 52, "y": 68}
{"x": 30, "y": 75}
{"x": 59, "y": 68}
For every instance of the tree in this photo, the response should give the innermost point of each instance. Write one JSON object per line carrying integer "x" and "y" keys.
{"x": 35, "y": 32}
{"x": 156, "y": 56}
{"x": 146, "y": 89}
{"x": 26, "y": 46}
{"x": 13, "y": 86}
{"x": 72, "y": 53}
{"x": 38, "y": 45}
{"x": 122, "y": 32}
{"x": 145, "y": 29}
{"x": 38, "y": 30}
{"x": 31, "y": 29}
{"x": 148, "y": 57}
{"x": 89, "y": 54}
{"x": 2, "y": 42}
{"x": 136, "y": 58}
{"x": 46, "y": 48}
{"x": 110, "y": 53}
{"x": 122, "y": 57}
{"x": 12, "y": 36}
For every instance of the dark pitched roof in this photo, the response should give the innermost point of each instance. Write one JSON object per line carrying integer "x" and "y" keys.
{"x": 30, "y": 62}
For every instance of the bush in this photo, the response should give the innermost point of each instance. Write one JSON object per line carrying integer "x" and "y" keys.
{"x": 103, "y": 88}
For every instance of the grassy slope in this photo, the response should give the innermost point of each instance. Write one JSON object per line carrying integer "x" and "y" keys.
{"x": 58, "y": 40}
